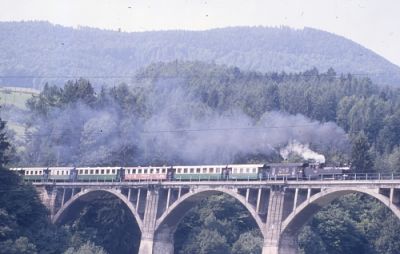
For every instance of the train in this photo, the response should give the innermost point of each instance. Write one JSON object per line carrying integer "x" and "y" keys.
{"x": 233, "y": 172}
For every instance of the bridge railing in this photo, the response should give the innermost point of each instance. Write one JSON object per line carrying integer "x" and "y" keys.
{"x": 269, "y": 178}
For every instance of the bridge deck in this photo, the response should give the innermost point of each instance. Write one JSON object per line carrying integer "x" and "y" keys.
{"x": 242, "y": 184}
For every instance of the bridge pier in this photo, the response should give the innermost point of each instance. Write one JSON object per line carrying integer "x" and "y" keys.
{"x": 280, "y": 204}
{"x": 149, "y": 222}
{"x": 48, "y": 196}
{"x": 273, "y": 224}
{"x": 154, "y": 241}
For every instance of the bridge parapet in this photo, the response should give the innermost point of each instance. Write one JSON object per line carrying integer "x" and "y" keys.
{"x": 279, "y": 208}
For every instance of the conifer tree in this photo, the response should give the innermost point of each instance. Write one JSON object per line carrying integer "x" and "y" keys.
{"x": 4, "y": 144}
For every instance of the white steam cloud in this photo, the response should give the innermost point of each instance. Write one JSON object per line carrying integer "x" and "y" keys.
{"x": 303, "y": 150}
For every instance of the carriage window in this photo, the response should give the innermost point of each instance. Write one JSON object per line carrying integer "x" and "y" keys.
{"x": 107, "y": 171}
{"x": 247, "y": 170}
{"x": 97, "y": 171}
{"x": 241, "y": 170}
{"x": 133, "y": 171}
{"x": 80, "y": 171}
{"x": 191, "y": 170}
{"x": 145, "y": 171}
{"x": 139, "y": 171}
{"x": 58, "y": 172}
{"x": 151, "y": 171}
{"x": 113, "y": 171}
{"x": 157, "y": 170}
{"x": 211, "y": 170}
{"x": 185, "y": 170}
{"x": 179, "y": 170}
{"x": 102, "y": 171}
{"x": 86, "y": 171}
{"x": 27, "y": 172}
{"x": 204, "y": 170}
{"x": 254, "y": 170}
{"x": 217, "y": 170}
{"x": 197, "y": 170}
{"x": 40, "y": 172}
{"x": 163, "y": 170}
{"x": 91, "y": 171}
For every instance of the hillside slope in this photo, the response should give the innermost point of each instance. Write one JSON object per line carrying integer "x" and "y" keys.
{"x": 56, "y": 53}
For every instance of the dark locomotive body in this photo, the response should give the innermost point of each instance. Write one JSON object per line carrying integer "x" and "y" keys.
{"x": 310, "y": 171}
{"x": 286, "y": 170}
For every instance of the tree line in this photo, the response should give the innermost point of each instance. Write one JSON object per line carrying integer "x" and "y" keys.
{"x": 131, "y": 124}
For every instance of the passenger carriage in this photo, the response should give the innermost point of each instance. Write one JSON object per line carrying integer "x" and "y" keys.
{"x": 98, "y": 173}
{"x": 31, "y": 174}
{"x": 200, "y": 172}
{"x": 146, "y": 173}
{"x": 247, "y": 171}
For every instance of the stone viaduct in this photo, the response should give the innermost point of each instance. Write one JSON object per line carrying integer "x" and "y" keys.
{"x": 279, "y": 208}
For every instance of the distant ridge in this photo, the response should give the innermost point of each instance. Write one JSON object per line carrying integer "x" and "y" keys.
{"x": 32, "y": 53}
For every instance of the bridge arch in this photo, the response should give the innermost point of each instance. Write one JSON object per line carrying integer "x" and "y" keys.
{"x": 169, "y": 220}
{"x": 84, "y": 193}
{"x": 302, "y": 214}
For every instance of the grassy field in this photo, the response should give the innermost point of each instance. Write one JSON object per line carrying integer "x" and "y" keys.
{"x": 16, "y": 96}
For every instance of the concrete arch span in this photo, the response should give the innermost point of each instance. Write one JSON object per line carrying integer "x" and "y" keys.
{"x": 168, "y": 222}
{"x": 91, "y": 193}
{"x": 302, "y": 214}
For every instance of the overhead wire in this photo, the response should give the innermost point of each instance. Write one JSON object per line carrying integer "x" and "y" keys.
{"x": 99, "y": 132}
{"x": 136, "y": 76}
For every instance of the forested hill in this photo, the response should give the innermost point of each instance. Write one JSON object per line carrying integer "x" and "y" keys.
{"x": 58, "y": 53}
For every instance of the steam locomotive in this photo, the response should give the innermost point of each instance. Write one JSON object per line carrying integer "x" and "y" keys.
{"x": 233, "y": 172}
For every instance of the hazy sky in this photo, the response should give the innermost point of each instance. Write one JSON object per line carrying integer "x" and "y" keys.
{"x": 373, "y": 23}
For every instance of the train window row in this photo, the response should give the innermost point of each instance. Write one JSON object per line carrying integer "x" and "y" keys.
{"x": 198, "y": 170}
{"x": 33, "y": 172}
{"x": 146, "y": 171}
{"x": 97, "y": 171}
{"x": 101, "y": 171}
{"x": 185, "y": 170}
{"x": 244, "y": 170}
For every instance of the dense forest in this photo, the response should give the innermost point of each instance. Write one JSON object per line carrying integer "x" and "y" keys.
{"x": 40, "y": 52}
{"x": 193, "y": 112}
